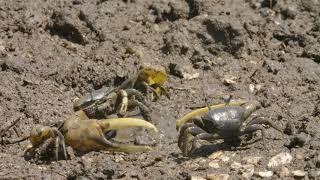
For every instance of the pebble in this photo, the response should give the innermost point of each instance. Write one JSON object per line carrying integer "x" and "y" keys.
{"x": 279, "y": 159}
{"x": 284, "y": 172}
{"x": 156, "y": 28}
{"x": 186, "y": 72}
{"x": 265, "y": 174}
{"x": 218, "y": 177}
{"x": 235, "y": 166}
{"x": 214, "y": 164}
{"x": 197, "y": 178}
{"x": 251, "y": 87}
{"x": 219, "y": 156}
{"x": 251, "y": 160}
{"x": 246, "y": 171}
{"x": 224, "y": 158}
{"x": 299, "y": 173}
{"x": 118, "y": 158}
{"x": 2, "y": 48}
{"x": 216, "y": 155}
{"x": 135, "y": 51}
{"x": 229, "y": 79}
{"x": 314, "y": 173}
{"x": 299, "y": 156}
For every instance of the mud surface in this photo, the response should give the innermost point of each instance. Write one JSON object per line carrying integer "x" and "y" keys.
{"x": 52, "y": 52}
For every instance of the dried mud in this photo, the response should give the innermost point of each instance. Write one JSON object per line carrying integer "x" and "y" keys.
{"x": 52, "y": 52}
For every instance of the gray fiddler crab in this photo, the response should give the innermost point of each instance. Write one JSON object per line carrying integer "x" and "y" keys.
{"x": 223, "y": 121}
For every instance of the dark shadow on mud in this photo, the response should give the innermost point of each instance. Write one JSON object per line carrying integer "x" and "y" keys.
{"x": 208, "y": 149}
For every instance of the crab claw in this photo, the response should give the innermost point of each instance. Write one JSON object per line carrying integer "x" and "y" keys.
{"x": 201, "y": 111}
{"x": 120, "y": 123}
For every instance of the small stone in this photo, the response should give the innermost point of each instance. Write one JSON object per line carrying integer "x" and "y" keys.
{"x": 118, "y": 158}
{"x": 87, "y": 162}
{"x": 299, "y": 173}
{"x": 156, "y": 28}
{"x": 279, "y": 159}
{"x": 2, "y": 48}
{"x": 186, "y": 71}
{"x": 135, "y": 51}
{"x": 214, "y": 164}
{"x": 314, "y": 173}
{"x": 219, "y": 156}
{"x": 251, "y": 87}
{"x": 265, "y": 174}
{"x": 235, "y": 166}
{"x": 191, "y": 76}
{"x": 216, "y": 155}
{"x": 251, "y": 160}
{"x": 284, "y": 172}
{"x": 258, "y": 87}
{"x": 229, "y": 79}
{"x": 218, "y": 177}
{"x": 246, "y": 171}
{"x": 256, "y": 5}
{"x": 197, "y": 178}
{"x": 299, "y": 156}
{"x": 224, "y": 158}
{"x": 190, "y": 165}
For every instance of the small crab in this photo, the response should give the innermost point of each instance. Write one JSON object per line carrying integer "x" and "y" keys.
{"x": 223, "y": 121}
{"x": 104, "y": 102}
{"x": 129, "y": 94}
{"x": 84, "y": 134}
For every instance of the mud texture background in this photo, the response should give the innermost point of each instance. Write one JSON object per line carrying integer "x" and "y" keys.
{"x": 52, "y": 52}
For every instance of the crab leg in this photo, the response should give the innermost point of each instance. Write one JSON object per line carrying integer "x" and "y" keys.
{"x": 263, "y": 120}
{"x": 201, "y": 111}
{"x": 145, "y": 111}
{"x": 120, "y": 123}
{"x": 124, "y": 102}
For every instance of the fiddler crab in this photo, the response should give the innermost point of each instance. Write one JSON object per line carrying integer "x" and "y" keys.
{"x": 84, "y": 134}
{"x": 225, "y": 121}
{"x": 129, "y": 94}
{"x": 86, "y": 131}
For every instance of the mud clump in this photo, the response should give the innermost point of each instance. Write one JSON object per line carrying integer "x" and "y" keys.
{"x": 225, "y": 36}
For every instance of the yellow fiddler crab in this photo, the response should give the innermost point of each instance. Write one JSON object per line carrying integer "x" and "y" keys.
{"x": 225, "y": 121}
{"x": 89, "y": 128}
{"x": 84, "y": 134}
